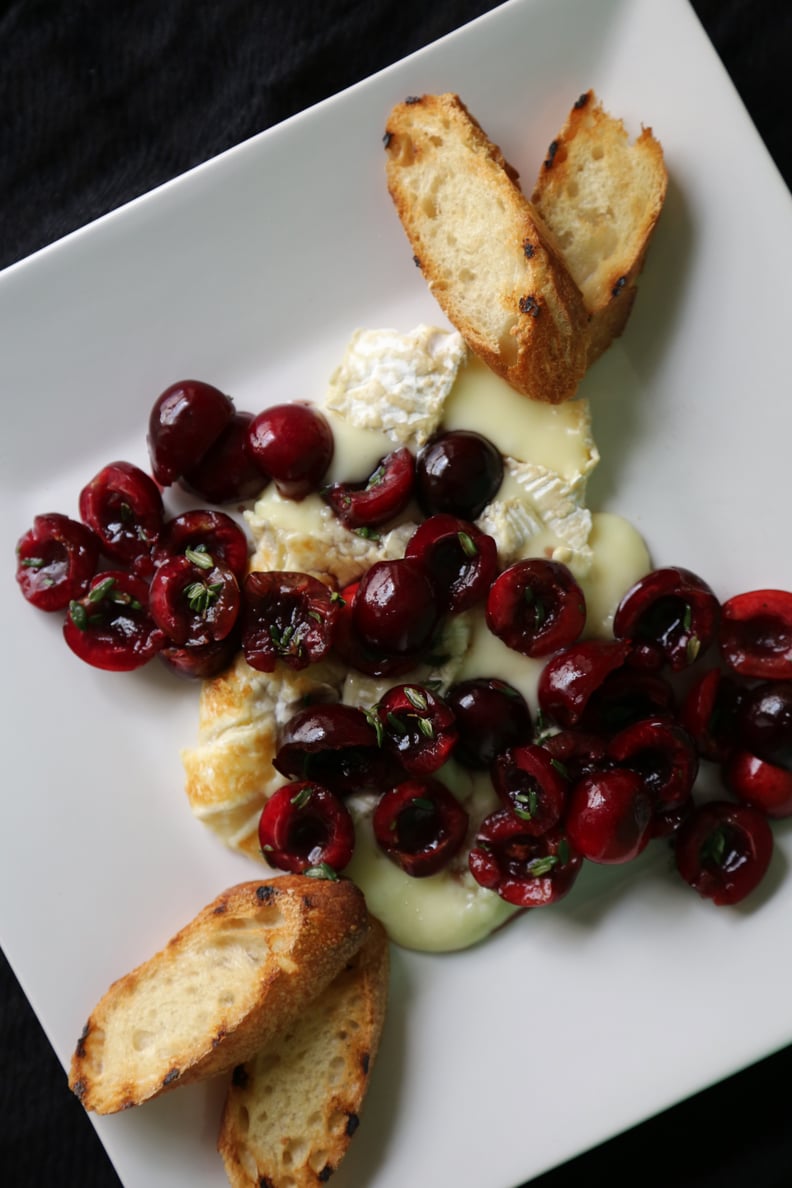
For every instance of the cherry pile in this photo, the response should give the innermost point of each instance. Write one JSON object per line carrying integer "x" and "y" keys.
{"x": 609, "y": 762}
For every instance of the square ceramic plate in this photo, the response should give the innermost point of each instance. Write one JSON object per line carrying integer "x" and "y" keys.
{"x": 251, "y": 272}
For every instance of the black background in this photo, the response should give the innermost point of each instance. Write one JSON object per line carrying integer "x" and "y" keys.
{"x": 101, "y": 100}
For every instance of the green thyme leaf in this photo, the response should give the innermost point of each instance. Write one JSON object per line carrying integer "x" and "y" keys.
{"x": 301, "y": 798}
{"x": 78, "y": 615}
{"x": 426, "y": 728}
{"x": 33, "y": 563}
{"x": 200, "y": 557}
{"x": 101, "y": 590}
{"x": 322, "y": 871}
{"x": 541, "y": 866}
{"x": 469, "y": 547}
{"x": 373, "y": 719}
{"x": 416, "y": 698}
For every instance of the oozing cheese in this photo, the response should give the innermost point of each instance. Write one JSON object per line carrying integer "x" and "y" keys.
{"x": 394, "y": 390}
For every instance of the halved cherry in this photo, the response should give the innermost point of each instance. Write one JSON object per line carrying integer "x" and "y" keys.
{"x": 710, "y": 713}
{"x": 524, "y": 870}
{"x": 663, "y": 754}
{"x": 417, "y": 727}
{"x": 199, "y": 663}
{"x": 576, "y": 753}
{"x": 460, "y": 560}
{"x": 723, "y": 850}
{"x": 764, "y": 786}
{"x": 491, "y": 715}
{"x": 458, "y": 472}
{"x": 186, "y": 419}
{"x": 394, "y": 610}
{"x": 110, "y": 626}
{"x": 609, "y": 816}
{"x": 226, "y": 473}
{"x": 672, "y": 608}
{"x": 420, "y": 825}
{"x": 205, "y": 531}
{"x": 536, "y": 607}
{"x": 570, "y": 678}
{"x": 303, "y": 826}
{"x": 336, "y": 745}
{"x": 287, "y": 617}
{"x": 56, "y": 560}
{"x": 765, "y": 722}
{"x": 532, "y": 784}
{"x": 380, "y": 497}
{"x": 123, "y": 506}
{"x": 756, "y": 634}
{"x": 353, "y": 650}
{"x": 293, "y": 445}
{"x": 194, "y": 600}
{"x": 626, "y": 696}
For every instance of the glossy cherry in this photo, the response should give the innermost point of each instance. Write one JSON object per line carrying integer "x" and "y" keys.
{"x": 626, "y": 696}
{"x": 336, "y": 745}
{"x": 576, "y": 753}
{"x": 380, "y": 497}
{"x": 663, "y": 754}
{"x": 123, "y": 506}
{"x": 186, "y": 419}
{"x": 536, "y": 607}
{"x": 287, "y": 617}
{"x": 765, "y": 722}
{"x": 293, "y": 445}
{"x": 710, "y": 713}
{"x": 723, "y": 850}
{"x": 533, "y": 785}
{"x": 199, "y": 663}
{"x": 420, "y": 825}
{"x": 569, "y": 679}
{"x": 609, "y": 816}
{"x": 353, "y": 650}
{"x": 194, "y": 600}
{"x": 460, "y": 560}
{"x": 525, "y": 870}
{"x": 303, "y": 826}
{"x": 394, "y": 610}
{"x": 56, "y": 560}
{"x": 226, "y": 473}
{"x": 417, "y": 727}
{"x": 756, "y": 634}
{"x": 458, "y": 472}
{"x": 754, "y": 781}
{"x": 491, "y": 716}
{"x": 671, "y": 608}
{"x": 110, "y": 626}
{"x": 205, "y": 531}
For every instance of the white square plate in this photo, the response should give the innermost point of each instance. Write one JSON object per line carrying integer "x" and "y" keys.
{"x": 251, "y": 272}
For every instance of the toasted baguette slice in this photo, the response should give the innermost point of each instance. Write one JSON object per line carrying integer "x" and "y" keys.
{"x": 242, "y": 970}
{"x": 601, "y": 196}
{"x": 489, "y": 260}
{"x": 290, "y": 1112}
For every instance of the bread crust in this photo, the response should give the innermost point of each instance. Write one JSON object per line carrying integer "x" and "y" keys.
{"x": 487, "y": 255}
{"x": 244, "y": 968}
{"x": 291, "y": 1112}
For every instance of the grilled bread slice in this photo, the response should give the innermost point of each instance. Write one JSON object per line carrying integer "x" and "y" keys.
{"x": 602, "y": 195}
{"x": 290, "y": 1113}
{"x": 490, "y": 262}
{"x": 225, "y": 985}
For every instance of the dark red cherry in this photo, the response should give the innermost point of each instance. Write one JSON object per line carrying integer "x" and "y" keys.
{"x": 459, "y": 473}
{"x": 287, "y": 617}
{"x": 110, "y": 626}
{"x": 355, "y": 652}
{"x": 491, "y": 716}
{"x": 336, "y": 745}
{"x": 723, "y": 850}
{"x": 460, "y": 560}
{"x": 569, "y": 679}
{"x": 304, "y": 826}
{"x": 380, "y": 497}
{"x": 672, "y": 608}
{"x": 417, "y": 727}
{"x": 200, "y": 663}
{"x": 765, "y": 722}
{"x": 626, "y": 696}
{"x": 420, "y": 825}
{"x": 663, "y": 754}
{"x": 194, "y": 600}
{"x": 764, "y": 786}
{"x": 123, "y": 506}
{"x": 226, "y": 473}
{"x": 56, "y": 560}
{"x": 532, "y": 784}
{"x": 576, "y": 753}
{"x": 609, "y": 816}
{"x": 756, "y": 634}
{"x": 394, "y": 610}
{"x": 536, "y": 607}
{"x": 205, "y": 531}
{"x": 187, "y": 418}
{"x": 293, "y": 445}
{"x": 525, "y": 870}
{"x": 710, "y": 713}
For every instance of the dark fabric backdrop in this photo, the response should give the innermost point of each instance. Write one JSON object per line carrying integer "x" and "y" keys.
{"x": 93, "y": 111}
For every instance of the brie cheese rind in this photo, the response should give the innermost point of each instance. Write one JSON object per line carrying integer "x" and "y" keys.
{"x": 396, "y": 389}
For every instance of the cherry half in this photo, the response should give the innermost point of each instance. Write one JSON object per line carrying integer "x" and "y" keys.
{"x": 287, "y": 617}
{"x": 756, "y": 634}
{"x": 536, "y": 607}
{"x": 420, "y": 825}
{"x": 304, "y": 826}
{"x": 417, "y": 727}
{"x": 110, "y": 626}
{"x": 524, "y": 870}
{"x": 56, "y": 560}
{"x": 532, "y": 784}
{"x": 672, "y": 609}
{"x": 123, "y": 506}
{"x": 459, "y": 559}
{"x": 380, "y": 497}
{"x": 194, "y": 600}
{"x": 723, "y": 850}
